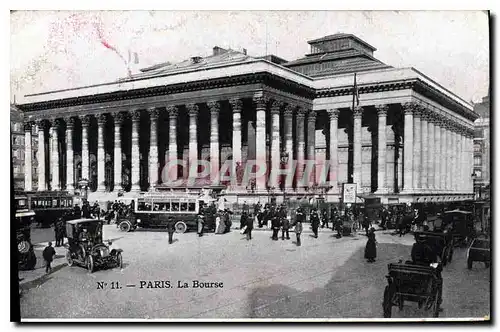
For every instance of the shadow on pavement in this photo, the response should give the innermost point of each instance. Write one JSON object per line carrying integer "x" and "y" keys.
{"x": 43, "y": 279}
{"x": 355, "y": 290}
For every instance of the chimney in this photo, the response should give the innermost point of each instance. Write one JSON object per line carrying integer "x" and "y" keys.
{"x": 196, "y": 59}
{"x": 218, "y": 50}
{"x": 245, "y": 51}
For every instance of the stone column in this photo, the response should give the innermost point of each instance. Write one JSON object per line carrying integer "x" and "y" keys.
{"x": 357, "y": 169}
{"x": 70, "y": 178}
{"x": 417, "y": 148}
{"x": 449, "y": 159}
{"x": 443, "y": 156}
{"x": 85, "y": 147}
{"x": 55, "y": 181}
{"x": 153, "y": 148}
{"x": 431, "y": 153}
{"x": 288, "y": 135}
{"x": 408, "y": 169}
{"x": 311, "y": 144}
{"x": 101, "y": 155}
{"x": 456, "y": 160}
{"x": 460, "y": 185}
{"x": 437, "y": 156}
{"x": 136, "y": 116}
{"x": 470, "y": 161}
{"x": 117, "y": 157}
{"x": 42, "y": 182}
{"x": 236, "y": 106}
{"x": 28, "y": 172}
{"x": 173, "y": 111}
{"x": 465, "y": 173}
{"x": 300, "y": 145}
{"x": 214, "y": 107}
{"x": 275, "y": 142}
{"x": 425, "y": 151}
{"x": 382, "y": 148}
{"x": 193, "y": 140}
{"x": 260, "y": 138}
{"x": 334, "y": 143}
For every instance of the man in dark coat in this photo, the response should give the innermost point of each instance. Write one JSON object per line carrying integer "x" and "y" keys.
{"x": 275, "y": 225}
{"x": 338, "y": 225}
{"x": 170, "y": 229}
{"x": 315, "y": 222}
{"x": 371, "y": 247}
{"x": 324, "y": 218}
{"x": 48, "y": 256}
{"x": 285, "y": 224}
{"x": 59, "y": 231}
{"x": 249, "y": 224}
{"x": 243, "y": 219}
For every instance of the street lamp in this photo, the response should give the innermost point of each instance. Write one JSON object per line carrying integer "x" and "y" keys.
{"x": 284, "y": 157}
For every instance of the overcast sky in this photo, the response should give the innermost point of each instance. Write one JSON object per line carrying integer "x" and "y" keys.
{"x": 58, "y": 50}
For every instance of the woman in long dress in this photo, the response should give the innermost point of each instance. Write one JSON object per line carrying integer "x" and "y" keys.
{"x": 371, "y": 247}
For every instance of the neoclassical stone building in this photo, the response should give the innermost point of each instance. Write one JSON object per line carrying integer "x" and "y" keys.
{"x": 408, "y": 140}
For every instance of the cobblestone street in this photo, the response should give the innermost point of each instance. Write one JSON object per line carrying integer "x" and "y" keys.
{"x": 324, "y": 278}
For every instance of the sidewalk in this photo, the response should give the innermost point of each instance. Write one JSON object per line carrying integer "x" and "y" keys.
{"x": 59, "y": 261}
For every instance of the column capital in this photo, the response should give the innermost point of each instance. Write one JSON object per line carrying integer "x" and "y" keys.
{"x": 236, "y": 104}
{"x": 382, "y": 109}
{"x": 411, "y": 108}
{"x": 192, "y": 109}
{"x": 57, "y": 123}
{"x": 101, "y": 119}
{"x": 119, "y": 117}
{"x": 70, "y": 122}
{"x": 358, "y": 111}
{"x": 289, "y": 110}
{"x": 135, "y": 115}
{"x": 260, "y": 100}
{"x": 173, "y": 111}
{"x": 85, "y": 120}
{"x": 333, "y": 113}
{"x": 214, "y": 107}
{"x": 28, "y": 126}
{"x": 42, "y": 124}
{"x": 301, "y": 113}
{"x": 311, "y": 116}
{"x": 153, "y": 113}
{"x": 276, "y": 106}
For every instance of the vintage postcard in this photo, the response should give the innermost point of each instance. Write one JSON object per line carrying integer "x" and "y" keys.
{"x": 251, "y": 165}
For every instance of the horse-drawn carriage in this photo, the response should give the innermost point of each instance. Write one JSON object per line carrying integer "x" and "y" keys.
{"x": 414, "y": 283}
{"x": 440, "y": 242}
{"x": 461, "y": 225}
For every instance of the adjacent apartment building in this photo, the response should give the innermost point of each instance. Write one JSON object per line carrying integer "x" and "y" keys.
{"x": 481, "y": 175}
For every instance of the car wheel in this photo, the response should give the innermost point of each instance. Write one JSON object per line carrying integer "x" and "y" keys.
{"x": 119, "y": 260}
{"x": 125, "y": 226}
{"x": 90, "y": 263}
{"x": 180, "y": 227}
{"x": 69, "y": 259}
{"x": 469, "y": 264}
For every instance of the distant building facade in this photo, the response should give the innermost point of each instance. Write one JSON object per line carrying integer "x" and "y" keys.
{"x": 482, "y": 149}
{"x": 18, "y": 144}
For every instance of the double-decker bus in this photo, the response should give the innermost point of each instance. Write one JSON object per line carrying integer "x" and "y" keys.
{"x": 154, "y": 210}
{"x": 47, "y": 205}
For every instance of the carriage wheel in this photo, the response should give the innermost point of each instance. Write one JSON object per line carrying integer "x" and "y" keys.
{"x": 89, "y": 262}
{"x": 387, "y": 304}
{"x": 69, "y": 259}
{"x": 119, "y": 260}
{"x": 469, "y": 263}
{"x": 124, "y": 226}
{"x": 435, "y": 310}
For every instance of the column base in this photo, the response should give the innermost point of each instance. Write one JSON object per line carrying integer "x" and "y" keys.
{"x": 382, "y": 191}
{"x": 101, "y": 189}
{"x": 135, "y": 188}
{"x": 70, "y": 188}
{"x": 408, "y": 191}
{"x": 117, "y": 188}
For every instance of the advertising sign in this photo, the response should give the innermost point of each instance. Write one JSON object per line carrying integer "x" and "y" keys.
{"x": 349, "y": 193}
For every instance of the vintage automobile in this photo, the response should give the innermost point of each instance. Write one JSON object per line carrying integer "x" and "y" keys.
{"x": 154, "y": 211}
{"x": 26, "y": 254}
{"x": 461, "y": 224}
{"x": 415, "y": 283}
{"x": 86, "y": 248}
{"x": 440, "y": 242}
{"x": 479, "y": 251}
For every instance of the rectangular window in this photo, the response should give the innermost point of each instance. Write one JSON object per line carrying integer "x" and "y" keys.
{"x": 175, "y": 206}
{"x": 477, "y": 161}
{"x": 192, "y": 207}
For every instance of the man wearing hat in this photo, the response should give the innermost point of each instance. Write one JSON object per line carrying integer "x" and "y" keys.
{"x": 201, "y": 222}
{"x": 315, "y": 222}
